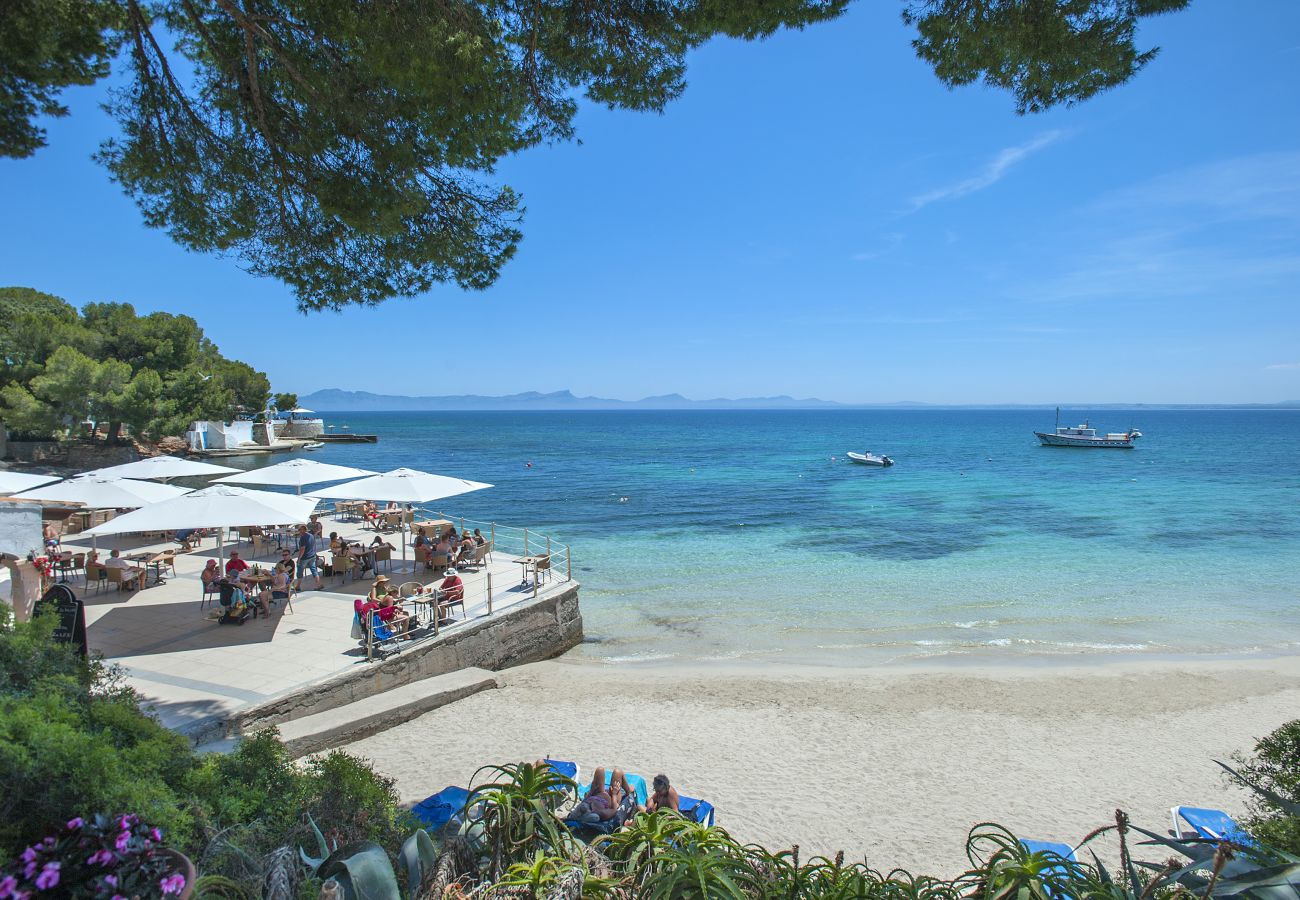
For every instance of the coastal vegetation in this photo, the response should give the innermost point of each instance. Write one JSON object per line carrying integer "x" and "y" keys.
{"x": 75, "y": 748}
{"x": 151, "y": 375}
{"x": 344, "y": 148}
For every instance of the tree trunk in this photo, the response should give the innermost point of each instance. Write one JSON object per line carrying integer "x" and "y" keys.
{"x": 114, "y": 433}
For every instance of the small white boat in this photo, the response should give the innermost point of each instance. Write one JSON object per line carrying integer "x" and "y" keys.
{"x": 313, "y": 445}
{"x": 868, "y": 459}
{"x": 1086, "y": 436}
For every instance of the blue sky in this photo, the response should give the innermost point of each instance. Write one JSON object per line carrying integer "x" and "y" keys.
{"x": 818, "y": 216}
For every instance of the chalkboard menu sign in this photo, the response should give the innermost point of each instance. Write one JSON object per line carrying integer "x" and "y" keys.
{"x": 71, "y": 627}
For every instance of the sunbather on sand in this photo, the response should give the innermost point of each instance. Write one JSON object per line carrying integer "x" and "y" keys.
{"x": 664, "y": 796}
{"x": 602, "y": 803}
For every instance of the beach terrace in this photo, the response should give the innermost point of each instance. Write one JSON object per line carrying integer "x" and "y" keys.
{"x": 210, "y": 680}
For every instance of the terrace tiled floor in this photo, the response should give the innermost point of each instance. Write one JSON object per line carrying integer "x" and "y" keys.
{"x": 191, "y": 669}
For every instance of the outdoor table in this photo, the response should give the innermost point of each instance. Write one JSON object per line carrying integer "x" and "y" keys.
{"x": 257, "y": 580}
{"x": 148, "y": 561}
{"x": 433, "y": 528}
{"x": 528, "y": 562}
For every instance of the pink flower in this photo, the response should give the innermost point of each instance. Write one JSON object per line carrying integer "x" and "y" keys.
{"x": 118, "y": 897}
{"x": 172, "y": 884}
{"x": 49, "y": 877}
{"x": 155, "y": 834}
{"x": 126, "y": 822}
{"x": 8, "y": 885}
{"x": 100, "y": 858}
{"x": 28, "y": 855}
{"x": 29, "y": 870}
{"x": 122, "y": 840}
{"x": 76, "y": 823}
{"x": 110, "y": 880}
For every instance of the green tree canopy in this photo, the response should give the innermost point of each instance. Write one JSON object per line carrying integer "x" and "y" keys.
{"x": 154, "y": 373}
{"x": 345, "y": 147}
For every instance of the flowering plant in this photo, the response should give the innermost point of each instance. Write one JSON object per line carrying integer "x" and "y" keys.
{"x": 105, "y": 857}
{"x": 44, "y": 565}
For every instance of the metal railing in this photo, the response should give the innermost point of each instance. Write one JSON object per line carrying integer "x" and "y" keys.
{"x": 538, "y": 554}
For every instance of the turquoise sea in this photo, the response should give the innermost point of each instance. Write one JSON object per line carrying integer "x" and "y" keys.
{"x": 735, "y": 535}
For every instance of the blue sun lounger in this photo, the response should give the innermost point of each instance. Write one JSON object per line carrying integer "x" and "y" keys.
{"x": 436, "y": 811}
{"x": 1065, "y": 851}
{"x": 1213, "y": 824}
{"x": 569, "y": 770}
{"x": 701, "y": 811}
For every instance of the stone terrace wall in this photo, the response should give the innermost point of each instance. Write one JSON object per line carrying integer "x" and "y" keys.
{"x": 526, "y": 632}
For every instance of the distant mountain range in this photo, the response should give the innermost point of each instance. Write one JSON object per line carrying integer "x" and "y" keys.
{"x": 335, "y": 400}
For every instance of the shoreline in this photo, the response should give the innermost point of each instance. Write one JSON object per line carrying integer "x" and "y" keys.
{"x": 894, "y": 763}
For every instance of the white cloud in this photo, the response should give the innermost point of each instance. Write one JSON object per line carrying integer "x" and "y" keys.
{"x": 1279, "y": 366}
{"x": 1230, "y": 227}
{"x": 991, "y": 174}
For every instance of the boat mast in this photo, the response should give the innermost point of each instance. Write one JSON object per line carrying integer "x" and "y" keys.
{"x": 1058, "y": 417}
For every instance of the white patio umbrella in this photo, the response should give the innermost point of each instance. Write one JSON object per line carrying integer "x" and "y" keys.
{"x": 12, "y": 482}
{"x": 295, "y": 473}
{"x": 163, "y": 467}
{"x": 402, "y": 486}
{"x": 219, "y": 506}
{"x": 106, "y": 493}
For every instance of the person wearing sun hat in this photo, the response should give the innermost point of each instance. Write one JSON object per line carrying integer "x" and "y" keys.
{"x": 378, "y": 589}
{"x": 452, "y": 590}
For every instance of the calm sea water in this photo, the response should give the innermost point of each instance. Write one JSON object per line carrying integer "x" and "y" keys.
{"x": 735, "y": 535}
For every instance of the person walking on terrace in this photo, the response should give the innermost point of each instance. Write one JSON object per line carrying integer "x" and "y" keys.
{"x": 307, "y": 557}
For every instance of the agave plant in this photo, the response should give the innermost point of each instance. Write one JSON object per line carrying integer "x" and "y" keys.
{"x": 512, "y": 816}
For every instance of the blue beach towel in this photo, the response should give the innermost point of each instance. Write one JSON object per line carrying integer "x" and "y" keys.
{"x": 436, "y": 811}
{"x": 1214, "y": 824}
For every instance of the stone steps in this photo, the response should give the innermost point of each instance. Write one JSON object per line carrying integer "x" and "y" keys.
{"x": 362, "y": 718}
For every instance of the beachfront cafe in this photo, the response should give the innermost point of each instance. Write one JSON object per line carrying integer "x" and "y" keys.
{"x": 144, "y": 570}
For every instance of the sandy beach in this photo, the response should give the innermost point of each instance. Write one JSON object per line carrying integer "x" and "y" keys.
{"x": 892, "y": 763}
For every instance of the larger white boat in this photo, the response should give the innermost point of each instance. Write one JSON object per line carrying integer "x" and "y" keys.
{"x": 1086, "y": 436}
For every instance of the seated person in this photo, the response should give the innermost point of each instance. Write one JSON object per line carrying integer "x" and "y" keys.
{"x": 280, "y": 583}
{"x": 390, "y": 612}
{"x": 664, "y": 796}
{"x": 131, "y": 574}
{"x": 370, "y": 513}
{"x": 452, "y": 590}
{"x": 335, "y": 542}
{"x": 421, "y": 539}
{"x": 286, "y": 563}
{"x": 235, "y": 566}
{"x": 604, "y": 802}
{"x": 443, "y": 546}
{"x": 378, "y": 589}
{"x": 210, "y": 576}
{"x": 188, "y": 538}
{"x": 317, "y": 527}
{"x": 467, "y": 549}
{"x": 478, "y": 538}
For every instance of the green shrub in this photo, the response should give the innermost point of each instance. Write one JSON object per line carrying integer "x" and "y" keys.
{"x": 74, "y": 742}
{"x": 1275, "y": 767}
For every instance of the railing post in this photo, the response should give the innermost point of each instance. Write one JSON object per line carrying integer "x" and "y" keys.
{"x": 568, "y": 563}
{"x": 489, "y": 585}
{"x": 525, "y": 542}
{"x": 548, "y": 547}
{"x": 536, "y": 578}
{"x": 494, "y": 535}
{"x": 462, "y": 524}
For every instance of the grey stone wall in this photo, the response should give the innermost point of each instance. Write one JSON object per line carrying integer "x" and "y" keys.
{"x": 34, "y": 451}
{"x": 527, "y": 632}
